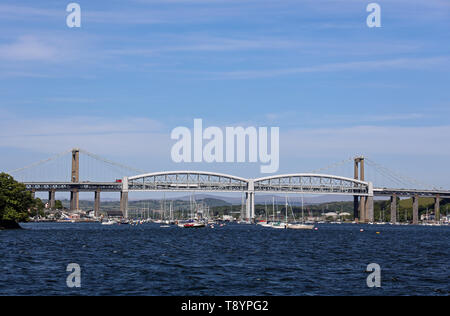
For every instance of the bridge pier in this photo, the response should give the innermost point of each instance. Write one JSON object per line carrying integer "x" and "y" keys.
{"x": 124, "y": 204}
{"x": 394, "y": 208}
{"x": 74, "y": 200}
{"x": 369, "y": 209}
{"x": 415, "y": 200}
{"x": 124, "y": 198}
{"x": 355, "y": 207}
{"x": 250, "y": 201}
{"x": 437, "y": 215}
{"x": 362, "y": 209}
{"x": 97, "y": 203}
{"x": 250, "y": 205}
{"x": 51, "y": 199}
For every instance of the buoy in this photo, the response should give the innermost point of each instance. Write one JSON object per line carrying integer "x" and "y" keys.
{"x": 378, "y": 233}
{"x": 361, "y": 230}
{"x": 316, "y": 228}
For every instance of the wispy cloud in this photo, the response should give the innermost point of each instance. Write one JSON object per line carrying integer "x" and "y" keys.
{"x": 380, "y": 65}
{"x": 28, "y": 48}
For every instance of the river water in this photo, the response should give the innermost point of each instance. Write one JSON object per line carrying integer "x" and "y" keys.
{"x": 230, "y": 260}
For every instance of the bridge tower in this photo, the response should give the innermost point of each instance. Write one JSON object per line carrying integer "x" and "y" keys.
{"x": 75, "y": 178}
{"x": 250, "y": 201}
{"x": 359, "y": 203}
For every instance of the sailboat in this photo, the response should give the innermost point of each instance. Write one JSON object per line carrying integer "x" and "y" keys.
{"x": 276, "y": 224}
{"x": 298, "y": 225}
{"x": 266, "y": 222}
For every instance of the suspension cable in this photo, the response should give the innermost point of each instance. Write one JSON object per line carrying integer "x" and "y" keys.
{"x": 111, "y": 162}
{"x": 40, "y": 162}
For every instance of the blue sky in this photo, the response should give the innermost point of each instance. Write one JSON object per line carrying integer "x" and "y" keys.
{"x": 137, "y": 69}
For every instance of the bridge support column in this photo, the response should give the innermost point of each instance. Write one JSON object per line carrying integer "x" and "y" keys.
{"x": 51, "y": 199}
{"x": 124, "y": 204}
{"x": 415, "y": 200}
{"x": 97, "y": 203}
{"x": 394, "y": 209}
{"x": 437, "y": 215}
{"x": 74, "y": 200}
{"x": 356, "y": 207}
{"x": 369, "y": 209}
{"x": 250, "y": 201}
{"x": 250, "y": 205}
{"x": 124, "y": 198}
{"x": 362, "y": 209}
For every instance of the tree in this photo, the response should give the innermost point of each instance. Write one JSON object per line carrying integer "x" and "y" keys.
{"x": 59, "y": 205}
{"x": 15, "y": 200}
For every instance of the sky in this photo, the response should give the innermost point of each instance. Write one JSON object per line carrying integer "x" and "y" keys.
{"x": 137, "y": 69}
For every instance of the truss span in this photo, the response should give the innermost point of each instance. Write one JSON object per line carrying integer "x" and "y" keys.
{"x": 309, "y": 183}
{"x": 187, "y": 181}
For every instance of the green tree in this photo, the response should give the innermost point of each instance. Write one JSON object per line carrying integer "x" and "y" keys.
{"x": 15, "y": 200}
{"x": 59, "y": 205}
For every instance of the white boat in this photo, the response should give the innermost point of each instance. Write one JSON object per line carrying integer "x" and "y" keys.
{"x": 109, "y": 222}
{"x": 300, "y": 226}
{"x": 278, "y": 225}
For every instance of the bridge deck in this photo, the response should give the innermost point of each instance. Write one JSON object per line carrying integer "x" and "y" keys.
{"x": 117, "y": 187}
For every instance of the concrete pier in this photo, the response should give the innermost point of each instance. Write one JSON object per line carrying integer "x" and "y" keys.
{"x": 355, "y": 207}
{"x": 74, "y": 200}
{"x": 51, "y": 199}
{"x": 394, "y": 209}
{"x": 124, "y": 203}
{"x": 369, "y": 209}
{"x": 362, "y": 209}
{"x": 437, "y": 214}
{"x": 97, "y": 203}
{"x": 415, "y": 200}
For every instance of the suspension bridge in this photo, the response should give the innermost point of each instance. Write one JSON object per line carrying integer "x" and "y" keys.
{"x": 128, "y": 179}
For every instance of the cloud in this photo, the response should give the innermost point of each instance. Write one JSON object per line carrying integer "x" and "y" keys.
{"x": 379, "y": 140}
{"x": 28, "y": 48}
{"x": 100, "y": 135}
{"x": 377, "y": 65}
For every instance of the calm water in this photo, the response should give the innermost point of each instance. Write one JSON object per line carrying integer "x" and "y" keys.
{"x": 233, "y": 260}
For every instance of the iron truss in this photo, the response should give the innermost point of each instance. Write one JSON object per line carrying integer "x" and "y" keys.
{"x": 187, "y": 181}
{"x": 206, "y": 181}
{"x": 311, "y": 184}
{"x": 411, "y": 192}
{"x": 70, "y": 186}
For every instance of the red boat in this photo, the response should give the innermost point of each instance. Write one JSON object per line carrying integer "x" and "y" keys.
{"x": 194, "y": 225}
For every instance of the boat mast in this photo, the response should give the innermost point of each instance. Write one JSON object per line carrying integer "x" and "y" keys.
{"x": 286, "y": 205}
{"x": 273, "y": 208}
{"x": 303, "y": 213}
